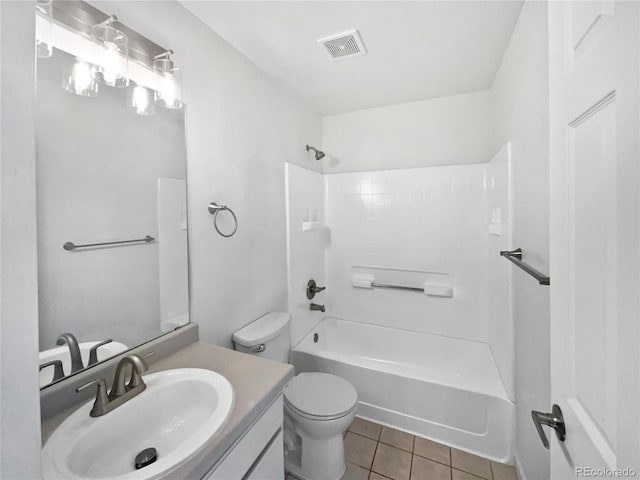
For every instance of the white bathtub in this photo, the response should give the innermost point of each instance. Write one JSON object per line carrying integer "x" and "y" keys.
{"x": 442, "y": 388}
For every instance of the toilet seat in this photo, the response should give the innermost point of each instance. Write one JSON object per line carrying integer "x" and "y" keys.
{"x": 320, "y": 396}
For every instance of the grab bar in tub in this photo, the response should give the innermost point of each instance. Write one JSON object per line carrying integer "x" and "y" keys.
{"x": 515, "y": 256}
{"x": 398, "y": 287}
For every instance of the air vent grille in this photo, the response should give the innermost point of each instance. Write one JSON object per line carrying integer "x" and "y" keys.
{"x": 347, "y": 44}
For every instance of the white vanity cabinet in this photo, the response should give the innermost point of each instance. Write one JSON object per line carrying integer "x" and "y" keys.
{"x": 259, "y": 453}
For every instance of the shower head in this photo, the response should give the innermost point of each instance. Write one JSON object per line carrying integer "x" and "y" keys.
{"x": 319, "y": 154}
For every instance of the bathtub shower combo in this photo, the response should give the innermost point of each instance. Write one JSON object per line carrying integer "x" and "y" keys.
{"x": 417, "y": 296}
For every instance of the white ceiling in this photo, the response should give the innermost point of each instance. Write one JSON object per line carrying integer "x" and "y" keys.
{"x": 416, "y": 49}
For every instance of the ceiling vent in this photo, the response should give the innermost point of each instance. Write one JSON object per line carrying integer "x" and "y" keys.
{"x": 344, "y": 45}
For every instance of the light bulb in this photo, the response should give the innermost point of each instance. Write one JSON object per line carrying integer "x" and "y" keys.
{"x": 82, "y": 78}
{"x": 140, "y": 101}
{"x": 168, "y": 89}
{"x": 79, "y": 79}
{"x": 111, "y": 63}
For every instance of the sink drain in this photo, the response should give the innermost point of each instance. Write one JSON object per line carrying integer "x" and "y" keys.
{"x": 146, "y": 457}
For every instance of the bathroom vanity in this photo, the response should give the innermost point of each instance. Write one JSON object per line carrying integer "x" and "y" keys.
{"x": 249, "y": 445}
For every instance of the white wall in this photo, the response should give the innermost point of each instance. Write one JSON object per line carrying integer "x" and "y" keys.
{"x": 521, "y": 111}
{"x": 19, "y": 389}
{"x": 241, "y": 129}
{"x": 98, "y": 167}
{"x": 443, "y": 131}
{"x": 305, "y": 249}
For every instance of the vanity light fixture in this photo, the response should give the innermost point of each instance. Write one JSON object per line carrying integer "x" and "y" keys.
{"x": 79, "y": 79}
{"x": 168, "y": 92}
{"x": 140, "y": 100}
{"x": 112, "y": 68}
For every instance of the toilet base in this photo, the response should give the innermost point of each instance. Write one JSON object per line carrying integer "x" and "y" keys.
{"x": 321, "y": 460}
{"x": 314, "y": 450}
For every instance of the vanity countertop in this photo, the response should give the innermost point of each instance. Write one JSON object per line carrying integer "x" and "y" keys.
{"x": 256, "y": 383}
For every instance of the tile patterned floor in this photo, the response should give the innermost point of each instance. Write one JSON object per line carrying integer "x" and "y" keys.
{"x": 374, "y": 452}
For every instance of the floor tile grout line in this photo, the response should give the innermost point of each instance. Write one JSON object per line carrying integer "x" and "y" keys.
{"x": 469, "y": 473}
{"x": 413, "y": 446}
{"x": 395, "y": 446}
{"x": 437, "y": 461}
{"x": 373, "y": 459}
{"x": 460, "y": 469}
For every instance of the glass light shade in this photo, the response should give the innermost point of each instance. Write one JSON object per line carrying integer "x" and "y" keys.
{"x": 168, "y": 93}
{"x": 112, "y": 68}
{"x": 140, "y": 100}
{"x": 79, "y": 79}
{"x": 44, "y": 28}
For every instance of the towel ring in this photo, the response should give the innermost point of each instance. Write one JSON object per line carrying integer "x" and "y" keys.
{"x": 214, "y": 209}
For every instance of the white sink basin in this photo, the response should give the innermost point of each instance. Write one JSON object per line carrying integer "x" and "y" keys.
{"x": 177, "y": 414}
{"x": 62, "y": 353}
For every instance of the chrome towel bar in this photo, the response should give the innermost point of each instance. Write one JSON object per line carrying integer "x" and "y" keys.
{"x": 515, "y": 256}
{"x": 72, "y": 246}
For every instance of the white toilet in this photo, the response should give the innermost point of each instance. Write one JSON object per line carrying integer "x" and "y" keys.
{"x": 318, "y": 407}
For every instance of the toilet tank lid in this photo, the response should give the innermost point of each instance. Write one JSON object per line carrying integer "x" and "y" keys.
{"x": 262, "y": 330}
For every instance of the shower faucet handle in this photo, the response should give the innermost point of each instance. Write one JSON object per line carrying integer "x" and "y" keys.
{"x": 313, "y": 288}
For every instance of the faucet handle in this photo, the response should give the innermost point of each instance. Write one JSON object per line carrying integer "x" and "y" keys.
{"x": 58, "y": 372}
{"x": 313, "y": 288}
{"x": 97, "y": 381}
{"x": 102, "y": 399}
{"x": 93, "y": 352}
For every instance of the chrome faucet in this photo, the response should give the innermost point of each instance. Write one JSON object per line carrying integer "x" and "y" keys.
{"x": 316, "y": 308}
{"x": 121, "y": 391}
{"x": 74, "y": 350}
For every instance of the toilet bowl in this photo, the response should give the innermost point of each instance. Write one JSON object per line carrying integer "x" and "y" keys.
{"x": 318, "y": 407}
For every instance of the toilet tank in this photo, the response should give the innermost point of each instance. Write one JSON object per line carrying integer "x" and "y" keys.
{"x": 267, "y": 337}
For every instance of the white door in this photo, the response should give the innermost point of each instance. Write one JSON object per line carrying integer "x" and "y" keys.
{"x": 595, "y": 377}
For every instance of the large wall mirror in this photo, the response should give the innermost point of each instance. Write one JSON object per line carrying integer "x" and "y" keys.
{"x": 112, "y": 221}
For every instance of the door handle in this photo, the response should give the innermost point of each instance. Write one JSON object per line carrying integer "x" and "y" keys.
{"x": 554, "y": 420}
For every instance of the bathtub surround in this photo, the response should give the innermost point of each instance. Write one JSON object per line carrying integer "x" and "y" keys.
{"x": 241, "y": 129}
{"x": 305, "y": 198}
{"x": 408, "y": 227}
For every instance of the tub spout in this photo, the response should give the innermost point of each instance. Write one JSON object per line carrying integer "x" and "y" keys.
{"x": 316, "y": 308}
